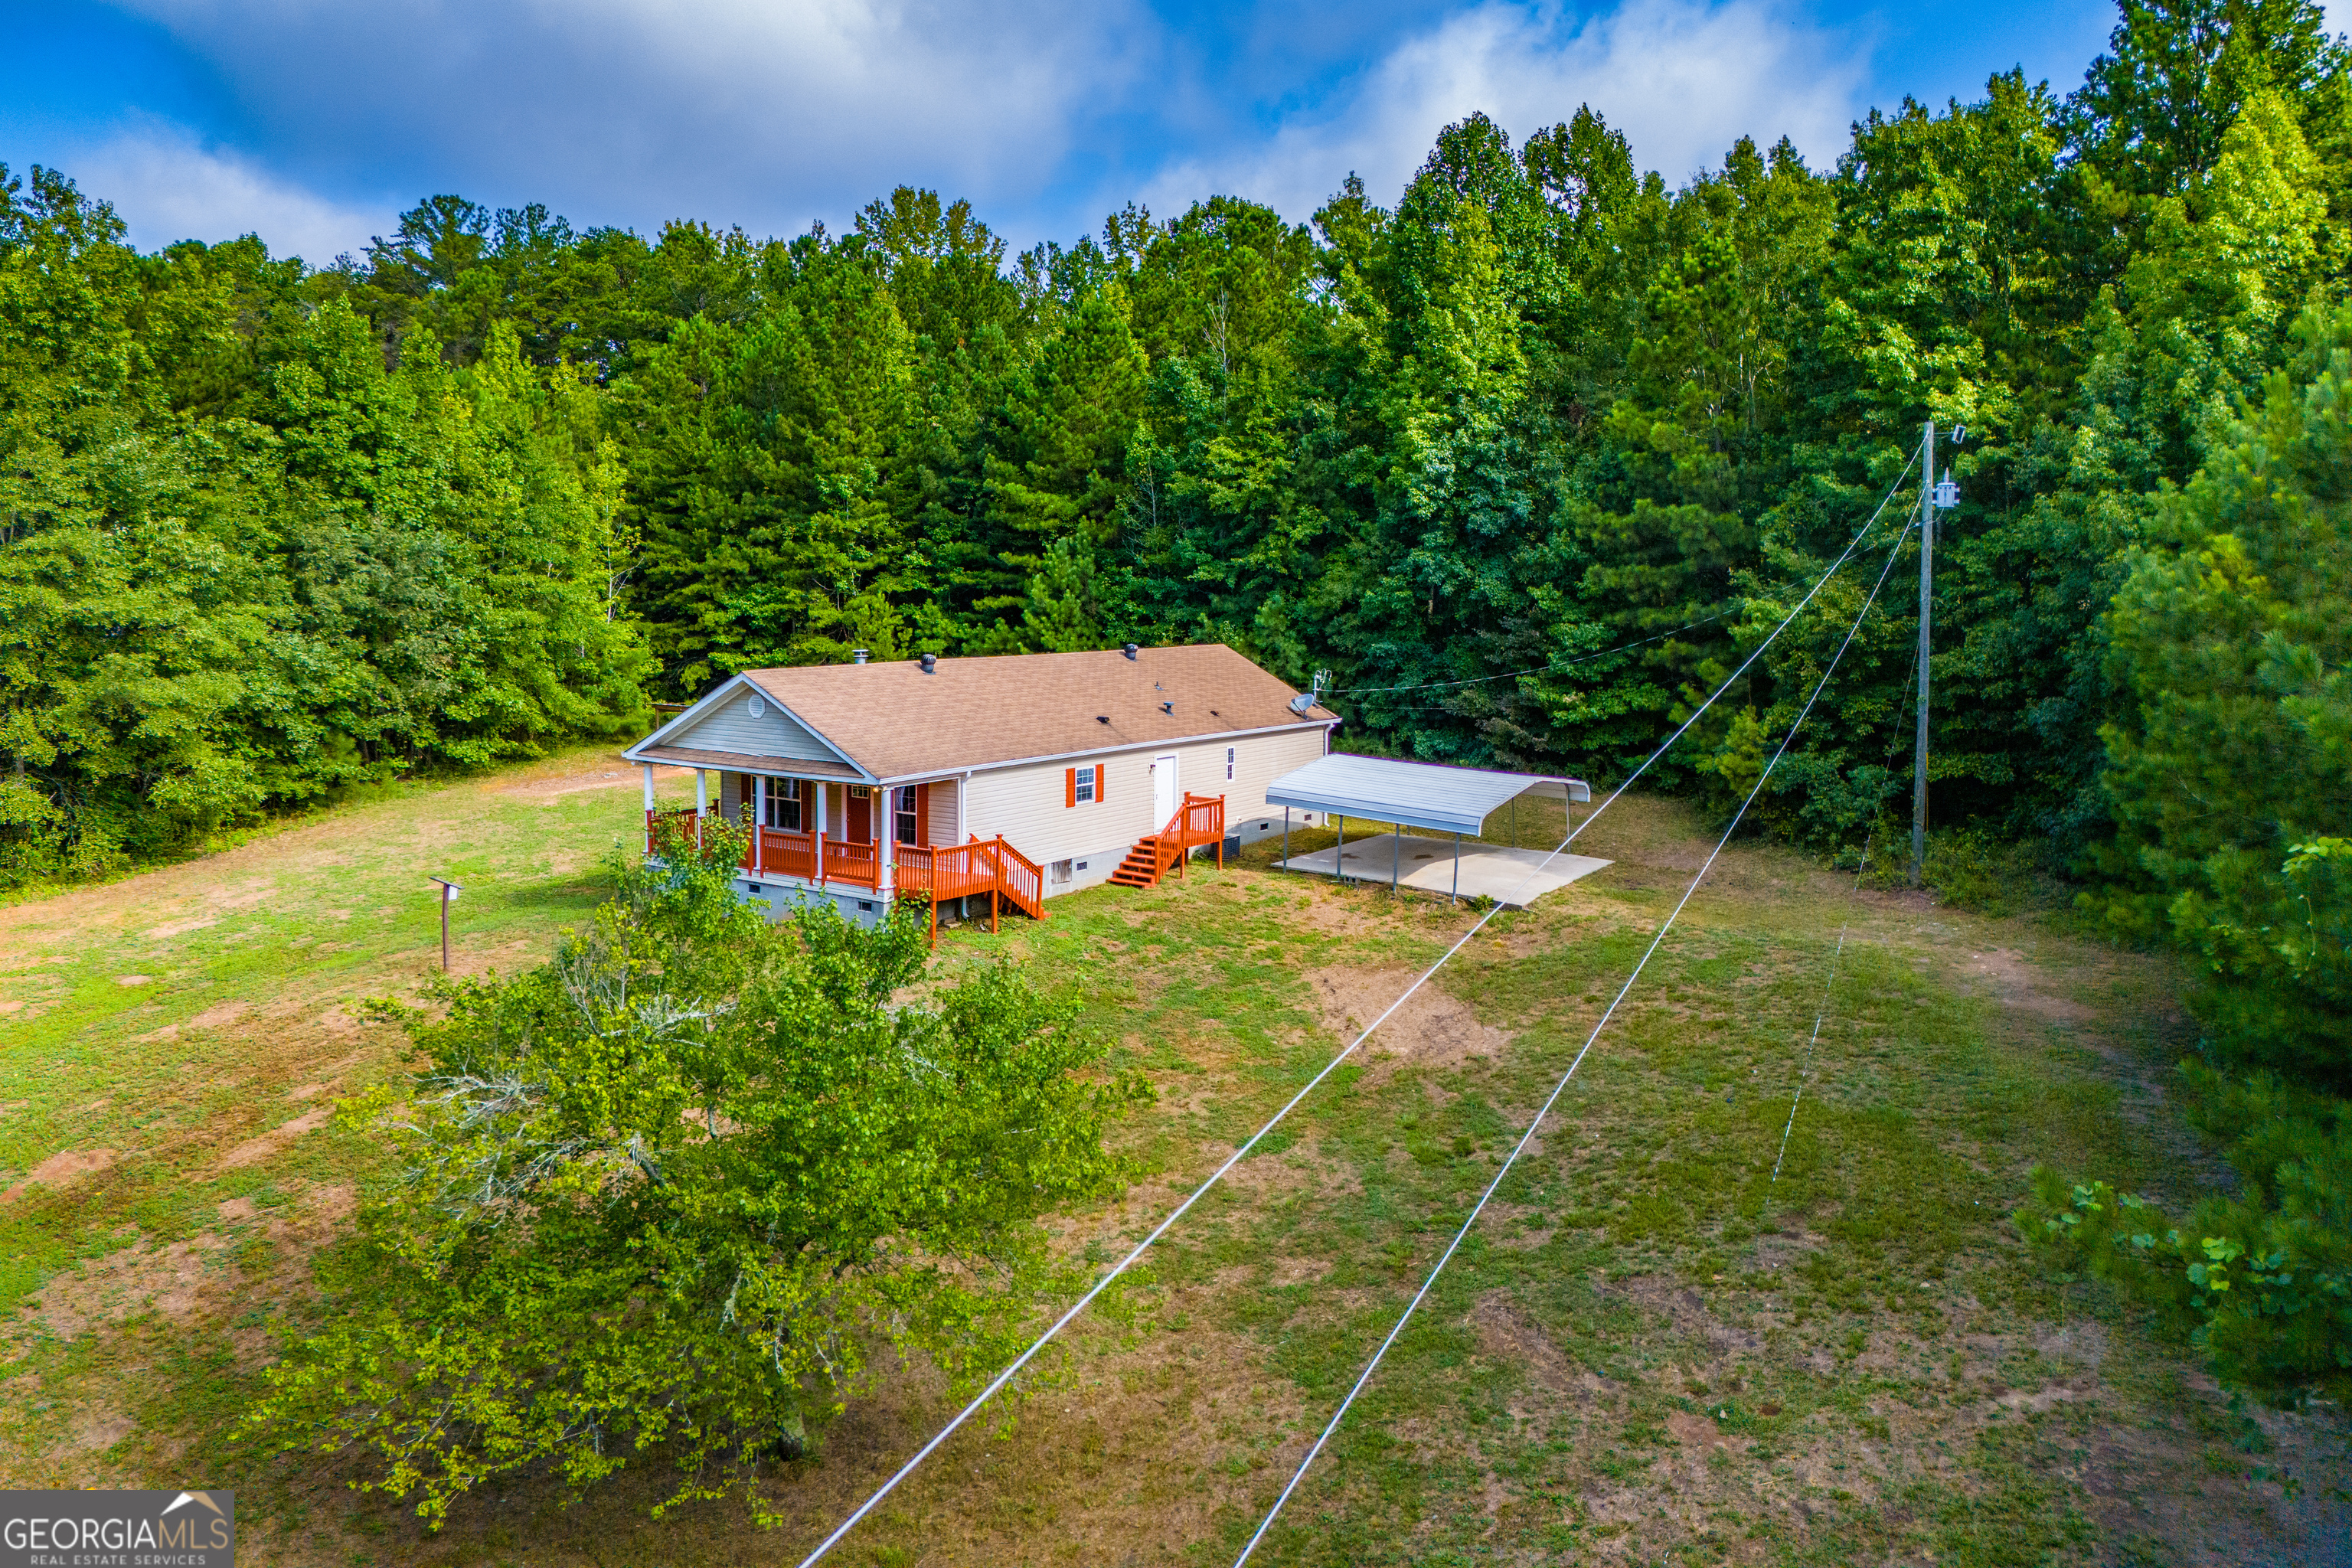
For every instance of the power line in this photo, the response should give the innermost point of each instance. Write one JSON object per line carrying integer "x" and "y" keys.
{"x": 1540, "y": 668}
{"x": 997, "y": 1384}
{"x": 1828, "y": 989}
{"x": 1861, "y": 868}
{"x": 1561, "y": 1088}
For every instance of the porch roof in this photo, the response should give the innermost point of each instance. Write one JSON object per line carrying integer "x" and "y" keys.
{"x": 743, "y": 763}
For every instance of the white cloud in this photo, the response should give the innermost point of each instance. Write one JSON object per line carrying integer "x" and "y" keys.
{"x": 165, "y": 188}
{"x": 767, "y": 112}
{"x": 1683, "y": 78}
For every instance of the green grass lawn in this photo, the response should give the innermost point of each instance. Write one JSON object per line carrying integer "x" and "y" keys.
{"x": 1650, "y": 1348}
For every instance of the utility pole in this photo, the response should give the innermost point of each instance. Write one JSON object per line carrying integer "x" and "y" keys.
{"x": 1927, "y": 611}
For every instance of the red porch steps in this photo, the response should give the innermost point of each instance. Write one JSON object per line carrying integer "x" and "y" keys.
{"x": 1200, "y": 820}
{"x": 1143, "y": 867}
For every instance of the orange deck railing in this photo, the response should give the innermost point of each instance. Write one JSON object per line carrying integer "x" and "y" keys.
{"x": 935, "y": 872}
{"x": 860, "y": 864}
{"x": 989, "y": 866}
{"x": 783, "y": 853}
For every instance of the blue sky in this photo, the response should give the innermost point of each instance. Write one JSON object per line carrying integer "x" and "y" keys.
{"x": 315, "y": 121}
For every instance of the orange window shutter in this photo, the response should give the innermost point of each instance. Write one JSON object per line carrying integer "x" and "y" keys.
{"x": 922, "y": 814}
{"x": 1102, "y": 778}
{"x": 1069, "y": 786}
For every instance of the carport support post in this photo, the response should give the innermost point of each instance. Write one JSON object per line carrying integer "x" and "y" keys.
{"x": 1340, "y": 855}
{"x": 1396, "y": 853}
{"x": 1286, "y": 838}
{"x": 1457, "y": 868}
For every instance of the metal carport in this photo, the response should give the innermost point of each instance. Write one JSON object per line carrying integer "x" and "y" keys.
{"x": 1434, "y": 796}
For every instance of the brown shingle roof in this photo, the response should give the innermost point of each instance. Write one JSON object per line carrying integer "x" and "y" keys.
{"x": 898, "y": 721}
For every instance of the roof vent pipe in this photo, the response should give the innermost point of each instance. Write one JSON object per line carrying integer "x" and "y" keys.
{"x": 930, "y": 663}
{"x": 858, "y": 655}
{"x": 1129, "y": 650}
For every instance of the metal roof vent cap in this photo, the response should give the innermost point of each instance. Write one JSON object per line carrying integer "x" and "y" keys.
{"x": 858, "y": 655}
{"x": 1129, "y": 650}
{"x": 930, "y": 663}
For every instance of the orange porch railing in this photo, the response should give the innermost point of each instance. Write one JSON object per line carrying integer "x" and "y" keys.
{"x": 783, "y": 853}
{"x": 935, "y": 872}
{"x": 990, "y": 865}
{"x": 653, "y": 821}
{"x": 860, "y": 864}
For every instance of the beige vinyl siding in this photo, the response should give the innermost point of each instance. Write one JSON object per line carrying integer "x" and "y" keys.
{"x": 730, "y": 727}
{"x": 1027, "y": 804}
{"x": 943, "y": 821}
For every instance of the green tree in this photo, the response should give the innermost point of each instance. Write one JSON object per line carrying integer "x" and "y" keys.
{"x": 672, "y": 1190}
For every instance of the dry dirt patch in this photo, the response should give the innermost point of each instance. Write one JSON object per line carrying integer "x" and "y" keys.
{"x": 220, "y": 1015}
{"x": 173, "y": 1281}
{"x": 1432, "y": 1029}
{"x": 2016, "y": 984}
{"x": 63, "y": 1169}
{"x": 258, "y": 1148}
{"x": 1507, "y": 1335}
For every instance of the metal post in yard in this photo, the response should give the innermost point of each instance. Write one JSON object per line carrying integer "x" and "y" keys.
{"x": 1286, "y": 838}
{"x": 1457, "y": 868}
{"x": 448, "y": 892}
{"x": 1340, "y": 855}
{"x": 1396, "y": 852}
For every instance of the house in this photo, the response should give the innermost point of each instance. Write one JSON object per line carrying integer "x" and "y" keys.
{"x": 1022, "y": 777}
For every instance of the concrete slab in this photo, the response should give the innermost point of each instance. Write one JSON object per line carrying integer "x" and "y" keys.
{"x": 1507, "y": 875}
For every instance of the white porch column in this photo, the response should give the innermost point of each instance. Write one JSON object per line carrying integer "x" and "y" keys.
{"x": 822, "y": 792}
{"x": 701, "y": 803}
{"x": 886, "y": 856}
{"x": 758, "y": 822}
{"x": 649, "y": 808}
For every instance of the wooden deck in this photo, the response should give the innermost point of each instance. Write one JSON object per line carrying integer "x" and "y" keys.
{"x": 931, "y": 872}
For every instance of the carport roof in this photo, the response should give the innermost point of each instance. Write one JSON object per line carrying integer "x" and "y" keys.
{"x": 1434, "y": 796}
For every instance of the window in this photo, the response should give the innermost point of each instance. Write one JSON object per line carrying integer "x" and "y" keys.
{"x": 784, "y": 804}
{"x": 1087, "y": 785}
{"x": 903, "y": 823}
{"x": 1228, "y": 764}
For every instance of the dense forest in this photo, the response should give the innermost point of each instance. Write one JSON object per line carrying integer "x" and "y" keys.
{"x": 1526, "y": 461}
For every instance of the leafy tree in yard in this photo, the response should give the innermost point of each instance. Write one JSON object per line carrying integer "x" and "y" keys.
{"x": 672, "y": 1191}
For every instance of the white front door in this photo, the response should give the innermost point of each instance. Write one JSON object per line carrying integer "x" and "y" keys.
{"x": 1164, "y": 798}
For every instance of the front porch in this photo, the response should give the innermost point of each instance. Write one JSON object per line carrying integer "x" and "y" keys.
{"x": 808, "y": 838}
